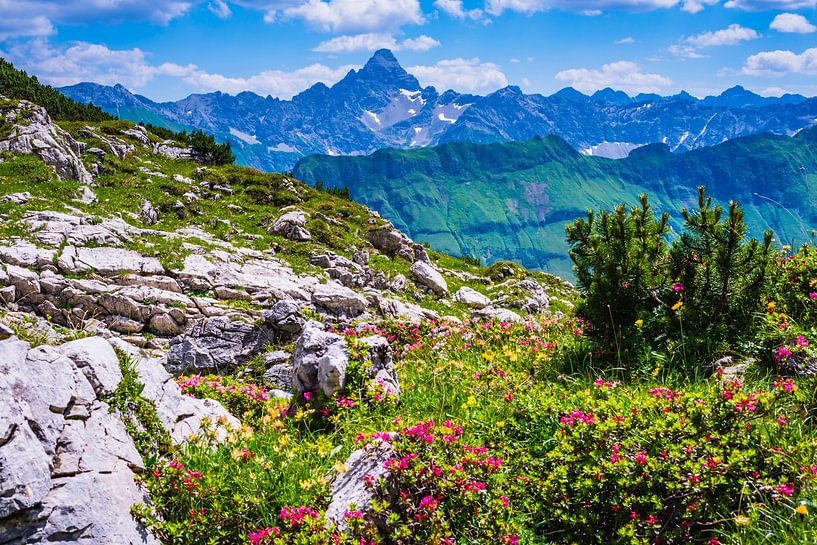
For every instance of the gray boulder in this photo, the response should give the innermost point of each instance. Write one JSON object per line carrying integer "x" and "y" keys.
{"x": 497, "y": 313}
{"x": 17, "y": 198}
{"x": 320, "y": 361}
{"x": 427, "y": 276}
{"x": 471, "y": 297}
{"x": 380, "y": 364}
{"x": 291, "y": 225}
{"x": 339, "y": 299}
{"x": 216, "y": 344}
{"x": 284, "y": 316}
{"x": 349, "y": 489}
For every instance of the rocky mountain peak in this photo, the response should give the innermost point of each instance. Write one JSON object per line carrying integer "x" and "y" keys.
{"x": 384, "y": 68}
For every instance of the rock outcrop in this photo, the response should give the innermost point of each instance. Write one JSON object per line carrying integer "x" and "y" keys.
{"x": 292, "y": 225}
{"x": 67, "y": 463}
{"x": 33, "y": 132}
{"x": 429, "y": 277}
{"x": 320, "y": 361}
{"x": 350, "y": 490}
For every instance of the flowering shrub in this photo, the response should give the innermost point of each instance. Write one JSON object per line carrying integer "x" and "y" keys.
{"x": 299, "y": 526}
{"x": 441, "y": 491}
{"x": 666, "y": 466}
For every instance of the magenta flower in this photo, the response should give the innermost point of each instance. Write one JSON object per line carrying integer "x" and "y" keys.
{"x": 677, "y": 287}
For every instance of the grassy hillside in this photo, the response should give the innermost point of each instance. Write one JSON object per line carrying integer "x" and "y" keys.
{"x": 512, "y": 201}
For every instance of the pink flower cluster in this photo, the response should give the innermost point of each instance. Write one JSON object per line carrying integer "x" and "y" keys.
{"x": 578, "y": 417}
{"x": 665, "y": 393}
{"x": 250, "y": 391}
{"x": 296, "y": 516}
{"x": 263, "y": 533}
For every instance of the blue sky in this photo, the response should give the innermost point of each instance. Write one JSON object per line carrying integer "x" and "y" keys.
{"x": 167, "y": 49}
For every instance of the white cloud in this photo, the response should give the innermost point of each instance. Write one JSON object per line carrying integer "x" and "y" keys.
{"x": 79, "y": 11}
{"x": 624, "y": 75}
{"x": 358, "y": 15}
{"x": 792, "y": 23}
{"x": 781, "y": 63}
{"x": 84, "y": 61}
{"x": 220, "y": 9}
{"x": 372, "y": 42}
{"x": 733, "y": 34}
{"x": 497, "y": 7}
{"x": 761, "y": 5}
{"x": 464, "y": 75}
{"x": 277, "y": 83}
{"x": 627, "y": 40}
{"x": 27, "y": 26}
{"x": 455, "y": 9}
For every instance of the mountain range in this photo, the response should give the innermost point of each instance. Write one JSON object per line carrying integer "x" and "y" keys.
{"x": 511, "y": 201}
{"x": 381, "y": 105}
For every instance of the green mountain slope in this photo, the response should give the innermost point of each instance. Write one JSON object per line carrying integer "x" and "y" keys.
{"x": 512, "y": 201}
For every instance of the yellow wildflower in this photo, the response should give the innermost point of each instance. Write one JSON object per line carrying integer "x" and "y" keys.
{"x": 639, "y": 322}
{"x": 500, "y": 424}
{"x": 802, "y": 510}
{"x": 677, "y": 305}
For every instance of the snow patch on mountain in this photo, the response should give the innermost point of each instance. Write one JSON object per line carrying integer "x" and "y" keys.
{"x": 244, "y": 137}
{"x": 611, "y": 150}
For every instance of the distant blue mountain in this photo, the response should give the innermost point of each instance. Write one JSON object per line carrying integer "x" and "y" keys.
{"x": 381, "y": 105}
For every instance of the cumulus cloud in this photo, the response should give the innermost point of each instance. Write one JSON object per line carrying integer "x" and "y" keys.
{"x": 497, "y": 7}
{"x": 762, "y": 5}
{"x": 792, "y": 23}
{"x": 781, "y": 63}
{"x": 464, "y": 75}
{"x": 374, "y": 41}
{"x": 278, "y": 83}
{"x": 15, "y": 27}
{"x": 84, "y": 61}
{"x": 456, "y": 9}
{"x": 357, "y": 15}
{"x": 733, "y": 34}
{"x": 624, "y": 75}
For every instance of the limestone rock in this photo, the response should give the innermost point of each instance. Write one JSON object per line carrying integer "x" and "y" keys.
{"x": 320, "y": 361}
{"x": 349, "y": 490}
{"x": 284, "y": 316}
{"x": 429, "y": 277}
{"x": 17, "y": 198}
{"x": 380, "y": 365}
{"x": 95, "y": 357}
{"x": 37, "y": 135}
{"x": 216, "y": 344}
{"x": 291, "y": 225}
{"x": 148, "y": 213}
{"x": 339, "y": 298}
{"x": 498, "y": 313}
{"x": 391, "y": 242}
{"x": 471, "y": 297}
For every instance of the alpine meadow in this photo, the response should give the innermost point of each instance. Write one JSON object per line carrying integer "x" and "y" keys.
{"x": 550, "y": 278}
